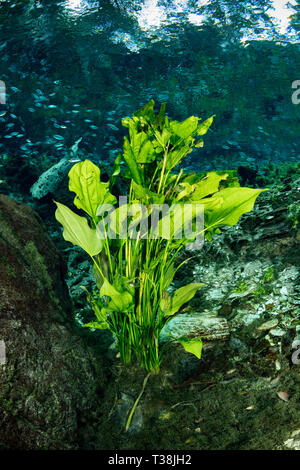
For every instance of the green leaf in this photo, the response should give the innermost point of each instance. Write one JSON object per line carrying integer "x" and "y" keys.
{"x": 90, "y": 192}
{"x": 168, "y": 275}
{"x": 121, "y": 300}
{"x": 116, "y": 170}
{"x": 204, "y": 126}
{"x": 186, "y": 128}
{"x": 161, "y": 117}
{"x": 146, "y": 196}
{"x": 135, "y": 170}
{"x": 193, "y": 346}
{"x": 141, "y": 146}
{"x": 175, "y": 156}
{"x": 147, "y": 111}
{"x": 77, "y": 230}
{"x": 199, "y": 144}
{"x": 97, "y": 325}
{"x": 207, "y": 185}
{"x": 227, "y": 206}
{"x": 146, "y": 153}
{"x": 181, "y": 296}
{"x": 177, "y": 220}
{"x": 184, "y": 189}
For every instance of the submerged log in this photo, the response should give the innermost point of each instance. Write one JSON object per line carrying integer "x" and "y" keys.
{"x": 207, "y": 325}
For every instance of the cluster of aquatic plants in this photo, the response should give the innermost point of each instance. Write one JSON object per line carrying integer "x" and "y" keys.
{"x": 134, "y": 269}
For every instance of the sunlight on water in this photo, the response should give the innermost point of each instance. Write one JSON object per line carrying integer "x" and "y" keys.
{"x": 152, "y": 15}
{"x": 78, "y": 7}
{"x": 75, "y": 5}
{"x": 282, "y": 12}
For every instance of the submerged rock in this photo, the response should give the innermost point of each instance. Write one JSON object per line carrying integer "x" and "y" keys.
{"x": 49, "y": 379}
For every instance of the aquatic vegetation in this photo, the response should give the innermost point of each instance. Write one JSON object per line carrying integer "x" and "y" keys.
{"x": 259, "y": 290}
{"x": 269, "y": 274}
{"x": 242, "y": 287}
{"x": 134, "y": 267}
{"x": 293, "y": 214}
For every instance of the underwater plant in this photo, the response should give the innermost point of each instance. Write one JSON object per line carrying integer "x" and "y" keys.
{"x": 134, "y": 268}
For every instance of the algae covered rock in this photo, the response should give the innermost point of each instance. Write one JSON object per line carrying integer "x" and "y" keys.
{"x": 49, "y": 379}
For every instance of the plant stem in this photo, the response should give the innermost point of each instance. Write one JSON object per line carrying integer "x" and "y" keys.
{"x": 136, "y": 402}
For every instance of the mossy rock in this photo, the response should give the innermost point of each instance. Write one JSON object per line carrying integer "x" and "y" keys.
{"x": 50, "y": 381}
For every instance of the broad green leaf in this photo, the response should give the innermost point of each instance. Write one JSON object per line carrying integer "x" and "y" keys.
{"x": 191, "y": 178}
{"x": 77, "y": 230}
{"x": 147, "y": 111}
{"x": 122, "y": 300}
{"x": 146, "y": 152}
{"x": 227, "y": 206}
{"x": 193, "y": 346}
{"x": 186, "y": 128}
{"x": 132, "y": 164}
{"x": 207, "y": 185}
{"x": 142, "y": 148}
{"x": 204, "y": 126}
{"x": 90, "y": 192}
{"x": 181, "y": 296}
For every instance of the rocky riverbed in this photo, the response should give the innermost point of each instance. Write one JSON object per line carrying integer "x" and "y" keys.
{"x": 62, "y": 386}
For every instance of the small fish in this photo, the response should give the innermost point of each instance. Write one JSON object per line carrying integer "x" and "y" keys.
{"x": 112, "y": 127}
{"x": 59, "y": 126}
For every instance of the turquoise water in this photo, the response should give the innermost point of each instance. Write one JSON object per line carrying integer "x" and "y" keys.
{"x": 70, "y": 71}
{"x": 73, "y": 69}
